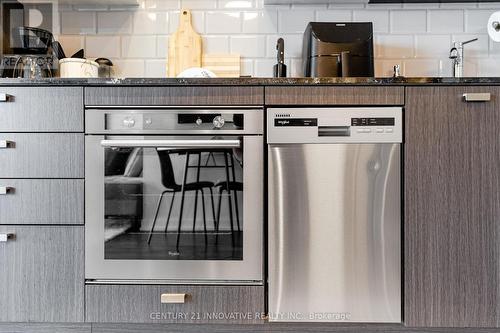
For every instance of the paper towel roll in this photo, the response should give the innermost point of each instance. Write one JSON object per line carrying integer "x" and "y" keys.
{"x": 494, "y": 26}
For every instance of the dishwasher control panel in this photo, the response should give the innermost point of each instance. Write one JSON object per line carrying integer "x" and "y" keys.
{"x": 335, "y": 125}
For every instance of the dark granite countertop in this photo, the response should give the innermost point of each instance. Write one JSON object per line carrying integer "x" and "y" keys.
{"x": 252, "y": 81}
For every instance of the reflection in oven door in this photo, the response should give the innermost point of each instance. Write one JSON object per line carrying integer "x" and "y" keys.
{"x": 173, "y": 203}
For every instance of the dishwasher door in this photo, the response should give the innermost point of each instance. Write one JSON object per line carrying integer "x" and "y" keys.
{"x": 334, "y": 232}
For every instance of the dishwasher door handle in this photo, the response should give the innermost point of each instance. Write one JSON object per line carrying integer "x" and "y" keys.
{"x": 334, "y": 130}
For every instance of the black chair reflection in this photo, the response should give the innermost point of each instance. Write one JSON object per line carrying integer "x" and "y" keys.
{"x": 168, "y": 181}
{"x": 229, "y": 186}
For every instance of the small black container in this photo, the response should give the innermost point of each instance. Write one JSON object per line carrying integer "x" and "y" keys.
{"x": 105, "y": 67}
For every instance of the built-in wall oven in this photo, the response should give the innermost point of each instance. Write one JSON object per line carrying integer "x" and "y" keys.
{"x": 174, "y": 195}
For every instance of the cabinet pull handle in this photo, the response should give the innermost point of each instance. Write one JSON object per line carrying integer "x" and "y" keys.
{"x": 4, "y": 144}
{"x": 5, "y": 98}
{"x": 6, "y": 237}
{"x": 173, "y": 298}
{"x": 6, "y": 190}
{"x": 477, "y": 97}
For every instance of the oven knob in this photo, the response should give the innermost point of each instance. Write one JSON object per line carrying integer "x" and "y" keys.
{"x": 199, "y": 121}
{"x": 128, "y": 122}
{"x": 219, "y": 122}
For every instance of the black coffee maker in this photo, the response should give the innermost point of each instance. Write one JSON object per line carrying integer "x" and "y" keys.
{"x": 338, "y": 49}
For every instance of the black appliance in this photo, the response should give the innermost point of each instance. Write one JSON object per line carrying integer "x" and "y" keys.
{"x": 338, "y": 49}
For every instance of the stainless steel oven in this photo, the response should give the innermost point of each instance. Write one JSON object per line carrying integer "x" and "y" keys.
{"x": 174, "y": 195}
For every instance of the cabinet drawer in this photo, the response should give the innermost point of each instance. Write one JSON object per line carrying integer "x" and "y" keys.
{"x": 42, "y": 155}
{"x": 335, "y": 95}
{"x": 42, "y": 274}
{"x": 41, "y": 201}
{"x": 202, "y": 304}
{"x": 41, "y": 109}
{"x": 186, "y": 95}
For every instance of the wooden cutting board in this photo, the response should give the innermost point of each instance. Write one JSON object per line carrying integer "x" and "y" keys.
{"x": 223, "y": 65}
{"x": 184, "y": 47}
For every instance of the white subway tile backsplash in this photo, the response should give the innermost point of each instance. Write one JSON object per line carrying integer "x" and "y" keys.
{"x": 264, "y": 22}
{"x": 222, "y": 22}
{"x": 415, "y": 36}
{"x": 102, "y": 46}
{"x": 385, "y": 68}
{"x": 248, "y": 46}
{"x": 198, "y": 4}
{"x": 334, "y": 15}
{"x": 264, "y": 67}
{"x": 162, "y": 4}
{"x": 294, "y": 21}
{"x": 139, "y": 47}
{"x": 446, "y": 21}
{"x": 216, "y": 44}
{"x": 129, "y": 68}
{"x": 114, "y": 22}
{"x": 408, "y": 21}
{"x": 239, "y": 4}
{"x": 156, "y": 68}
{"x": 432, "y": 46}
{"x": 421, "y": 67}
{"x": 476, "y": 21}
{"x": 74, "y": 23}
{"x": 380, "y": 18}
{"x": 198, "y": 21}
{"x": 150, "y": 22}
{"x": 394, "y": 46}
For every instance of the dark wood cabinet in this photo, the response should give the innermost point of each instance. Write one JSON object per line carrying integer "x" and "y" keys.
{"x": 452, "y": 208}
{"x": 42, "y": 274}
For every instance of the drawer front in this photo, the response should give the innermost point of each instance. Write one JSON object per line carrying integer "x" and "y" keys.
{"x": 42, "y": 155}
{"x": 41, "y": 201}
{"x": 42, "y": 274}
{"x": 187, "y": 95}
{"x": 41, "y": 109}
{"x": 333, "y": 95}
{"x": 202, "y": 304}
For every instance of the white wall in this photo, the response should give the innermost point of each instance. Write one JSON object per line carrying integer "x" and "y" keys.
{"x": 417, "y": 37}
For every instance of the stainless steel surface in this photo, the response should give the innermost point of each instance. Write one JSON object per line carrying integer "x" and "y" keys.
{"x": 457, "y": 57}
{"x": 175, "y": 282}
{"x": 215, "y": 143}
{"x": 334, "y": 224}
{"x": 173, "y": 298}
{"x": 336, "y": 119}
{"x": 179, "y": 129}
{"x": 6, "y": 237}
{"x": 477, "y": 97}
{"x": 139, "y": 120}
{"x": 6, "y": 144}
{"x": 6, "y": 190}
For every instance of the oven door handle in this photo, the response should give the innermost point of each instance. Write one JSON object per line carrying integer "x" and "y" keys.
{"x": 172, "y": 144}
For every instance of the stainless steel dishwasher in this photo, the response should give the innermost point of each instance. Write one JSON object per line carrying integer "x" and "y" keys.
{"x": 335, "y": 214}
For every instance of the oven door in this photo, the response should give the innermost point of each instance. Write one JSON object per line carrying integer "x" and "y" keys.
{"x": 161, "y": 208}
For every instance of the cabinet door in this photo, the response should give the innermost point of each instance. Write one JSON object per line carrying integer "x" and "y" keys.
{"x": 452, "y": 208}
{"x": 41, "y": 274}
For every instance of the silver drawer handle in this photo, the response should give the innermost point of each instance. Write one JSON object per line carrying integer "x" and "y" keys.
{"x": 6, "y": 190}
{"x": 6, "y": 237}
{"x": 173, "y": 298}
{"x": 4, "y": 144}
{"x": 477, "y": 97}
{"x": 5, "y": 98}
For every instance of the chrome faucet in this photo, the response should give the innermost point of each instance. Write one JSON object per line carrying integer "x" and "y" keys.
{"x": 457, "y": 56}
